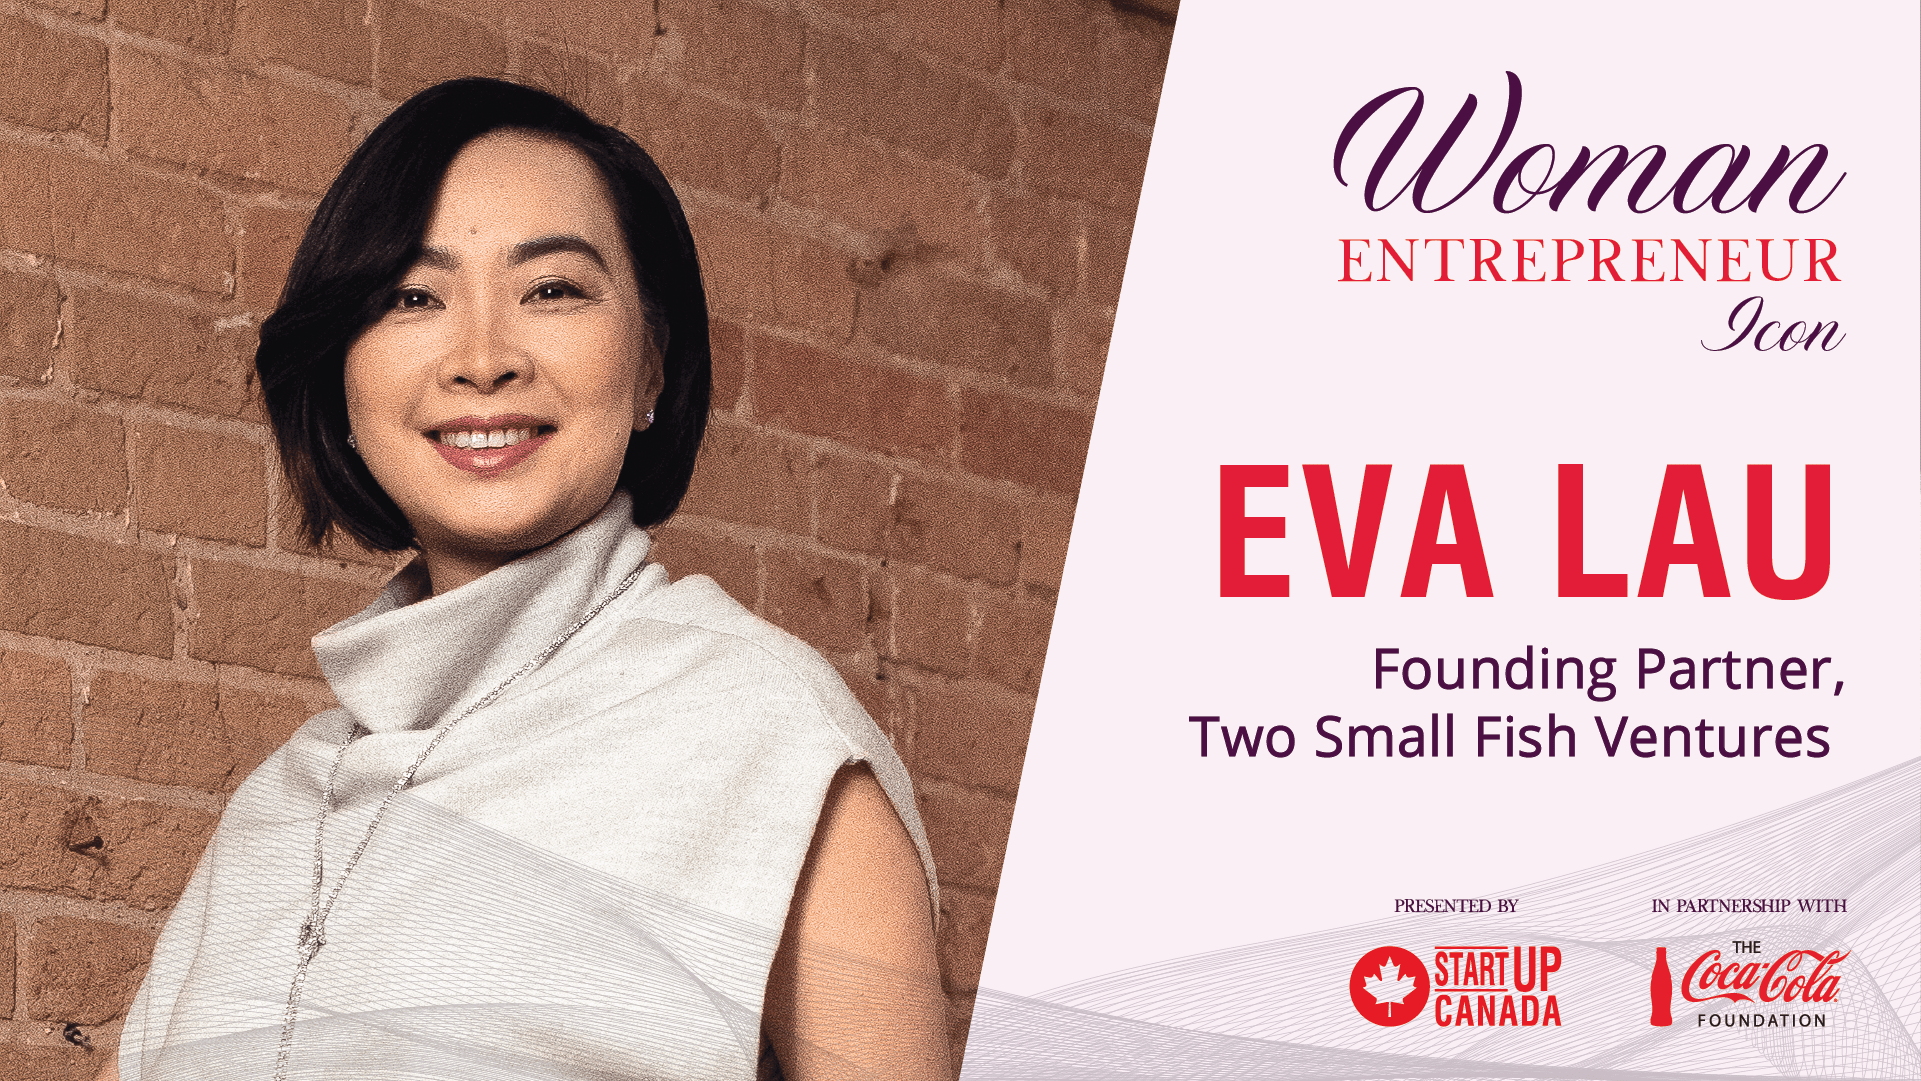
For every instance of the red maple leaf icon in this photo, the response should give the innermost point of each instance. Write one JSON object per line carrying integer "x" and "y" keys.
{"x": 1390, "y": 986}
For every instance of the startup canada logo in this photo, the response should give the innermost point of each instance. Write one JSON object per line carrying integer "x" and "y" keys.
{"x": 1492, "y": 986}
{"x": 1805, "y": 977}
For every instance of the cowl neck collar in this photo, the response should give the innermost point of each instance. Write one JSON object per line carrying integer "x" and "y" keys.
{"x": 403, "y": 664}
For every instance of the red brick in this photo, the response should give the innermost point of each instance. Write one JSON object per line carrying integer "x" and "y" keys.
{"x": 1013, "y": 640}
{"x": 1081, "y": 158}
{"x": 684, "y": 551}
{"x": 270, "y": 236}
{"x": 813, "y": 289}
{"x": 1053, "y": 44}
{"x": 740, "y": 50}
{"x": 152, "y": 226}
{"x": 206, "y": 25}
{"x": 802, "y": 389}
{"x": 965, "y": 916}
{"x": 131, "y": 851}
{"x": 84, "y": 971}
{"x": 58, "y": 455}
{"x": 736, "y": 260}
{"x": 588, "y": 83}
{"x": 855, "y": 8}
{"x": 901, "y": 100}
{"x": 419, "y": 48}
{"x": 92, "y": 10}
{"x": 1133, "y": 61}
{"x": 967, "y": 831}
{"x": 821, "y": 601}
{"x": 935, "y": 623}
{"x": 1080, "y": 346}
{"x": 1107, "y": 234}
{"x": 230, "y": 122}
{"x": 728, "y": 342}
{"x": 953, "y": 528}
{"x": 29, "y": 319}
{"x": 9, "y": 963}
{"x": 1040, "y": 238}
{"x": 1045, "y": 523}
{"x": 160, "y": 352}
{"x": 702, "y": 143}
{"x": 920, "y": 313}
{"x": 131, "y": 722}
{"x": 970, "y": 735}
{"x": 947, "y": 627}
{"x": 854, "y": 503}
{"x": 963, "y": 30}
{"x": 265, "y": 618}
{"x": 620, "y": 29}
{"x": 1032, "y": 443}
{"x": 66, "y": 587}
{"x": 36, "y": 711}
{"x": 751, "y": 479}
{"x": 27, "y": 213}
{"x": 52, "y": 81}
{"x": 20, "y": 1062}
{"x": 877, "y": 696}
{"x": 257, "y": 724}
{"x": 48, "y": 1062}
{"x": 200, "y": 484}
{"x": 192, "y": 734}
{"x": 114, "y": 217}
{"x": 331, "y": 38}
{"x": 876, "y": 191}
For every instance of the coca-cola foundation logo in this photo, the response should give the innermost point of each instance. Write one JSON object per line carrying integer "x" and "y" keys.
{"x": 1795, "y": 976}
{"x": 1803, "y": 976}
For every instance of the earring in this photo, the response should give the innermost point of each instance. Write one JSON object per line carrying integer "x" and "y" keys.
{"x": 352, "y": 444}
{"x": 650, "y": 418}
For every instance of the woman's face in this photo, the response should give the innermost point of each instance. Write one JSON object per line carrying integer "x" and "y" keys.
{"x": 494, "y": 398}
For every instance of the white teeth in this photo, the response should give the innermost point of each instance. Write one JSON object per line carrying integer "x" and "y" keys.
{"x": 478, "y": 440}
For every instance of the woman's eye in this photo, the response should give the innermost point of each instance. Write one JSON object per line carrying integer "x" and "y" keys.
{"x": 413, "y": 299}
{"x": 555, "y": 290}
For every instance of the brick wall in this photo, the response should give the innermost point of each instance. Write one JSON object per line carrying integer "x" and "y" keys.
{"x": 913, "y": 214}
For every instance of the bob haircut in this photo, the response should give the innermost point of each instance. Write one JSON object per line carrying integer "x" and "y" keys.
{"x": 369, "y": 230}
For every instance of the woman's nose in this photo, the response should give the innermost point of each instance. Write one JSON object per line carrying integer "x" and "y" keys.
{"x": 483, "y": 357}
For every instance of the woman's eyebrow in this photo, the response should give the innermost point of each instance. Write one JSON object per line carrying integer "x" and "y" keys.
{"x": 529, "y": 250}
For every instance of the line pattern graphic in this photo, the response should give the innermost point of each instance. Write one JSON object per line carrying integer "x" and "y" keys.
{"x": 1242, "y": 1013}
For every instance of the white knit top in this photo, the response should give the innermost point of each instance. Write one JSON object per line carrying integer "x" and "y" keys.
{"x": 588, "y": 878}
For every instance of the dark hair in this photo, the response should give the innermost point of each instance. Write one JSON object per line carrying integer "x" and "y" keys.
{"x": 369, "y": 230}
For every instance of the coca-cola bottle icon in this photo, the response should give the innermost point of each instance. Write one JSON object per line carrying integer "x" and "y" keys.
{"x": 1660, "y": 989}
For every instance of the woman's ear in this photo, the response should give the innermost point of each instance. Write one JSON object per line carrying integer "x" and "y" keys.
{"x": 647, "y": 389}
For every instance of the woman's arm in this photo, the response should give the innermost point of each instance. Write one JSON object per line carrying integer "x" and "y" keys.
{"x": 855, "y": 990}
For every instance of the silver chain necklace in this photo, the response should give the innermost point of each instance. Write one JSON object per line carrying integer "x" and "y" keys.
{"x": 313, "y": 930}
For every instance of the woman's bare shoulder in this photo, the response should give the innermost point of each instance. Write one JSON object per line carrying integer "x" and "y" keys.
{"x": 856, "y": 988}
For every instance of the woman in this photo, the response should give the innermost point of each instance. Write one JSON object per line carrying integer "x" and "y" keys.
{"x": 572, "y": 819}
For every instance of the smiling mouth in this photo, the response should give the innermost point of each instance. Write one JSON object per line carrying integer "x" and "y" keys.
{"x": 489, "y": 438}
{"x": 489, "y": 451}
